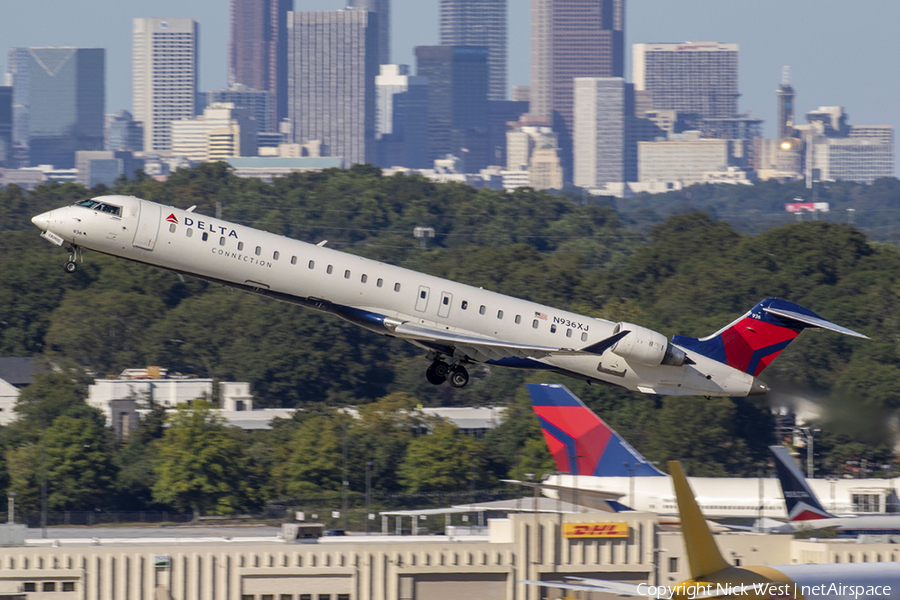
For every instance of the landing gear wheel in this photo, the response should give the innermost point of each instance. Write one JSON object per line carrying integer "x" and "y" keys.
{"x": 433, "y": 373}
{"x": 458, "y": 377}
{"x": 70, "y": 266}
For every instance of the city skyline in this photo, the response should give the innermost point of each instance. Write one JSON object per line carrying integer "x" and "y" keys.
{"x": 770, "y": 36}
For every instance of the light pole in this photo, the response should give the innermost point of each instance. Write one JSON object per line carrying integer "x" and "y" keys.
{"x": 368, "y": 493}
{"x": 11, "y": 508}
{"x": 809, "y": 435}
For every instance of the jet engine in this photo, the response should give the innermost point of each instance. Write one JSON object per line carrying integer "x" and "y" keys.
{"x": 647, "y": 347}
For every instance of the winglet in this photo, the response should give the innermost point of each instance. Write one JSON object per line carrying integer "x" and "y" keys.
{"x": 704, "y": 556}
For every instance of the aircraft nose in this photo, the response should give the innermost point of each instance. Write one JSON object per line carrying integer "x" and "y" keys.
{"x": 42, "y": 221}
{"x": 758, "y": 388}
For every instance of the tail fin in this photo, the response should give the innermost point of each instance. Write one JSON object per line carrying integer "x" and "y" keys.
{"x": 704, "y": 556}
{"x": 580, "y": 442}
{"x": 801, "y": 502}
{"x": 754, "y": 340}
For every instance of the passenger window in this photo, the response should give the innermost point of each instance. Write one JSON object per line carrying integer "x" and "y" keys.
{"x": 553, "y": 328}
{"x": 396, "y": 287}
{"x": 584, "y": 336}
{"x": 222, "y": 241}
{"x": 379, "y": 282}
{"x": 446, "y": 300}
{"x": 568, "y": 333}
{"x": 293, "y": 260}
{"x": 347, "y": 274}
{"x": 205, "y": 236}
{"x": 189, "y": 232}
{"x": 364, "y": 278}
{"x": 312, "y": 264}
{"x": 275, "y": 255}
{"x": 499, "y": 314}
{"x": 518, "y": 319}
{"x": 171, "y": 227}
{"x": 329, "y": 269}
{"x": 422, "y": 294}
{"x": 534, "y": 324}
{"x": 240, "y": 245}
{"x": 481, "y": 309}
{"x": 258, "y": 250}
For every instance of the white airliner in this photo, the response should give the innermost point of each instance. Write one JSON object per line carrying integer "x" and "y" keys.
{"x": 457, "y": 324}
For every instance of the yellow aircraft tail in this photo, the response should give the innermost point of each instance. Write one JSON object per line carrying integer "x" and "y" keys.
{"x": 704, "y": 557}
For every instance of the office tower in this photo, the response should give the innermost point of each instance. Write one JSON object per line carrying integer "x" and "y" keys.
{"x": 401, "y": 118}
{"x": 457, "y": 102}
{"x": 569, "y": 39}
{"x": 123, "y": 132}
{"x": 222, "y": 131}
{"x": 332, "y": 64}
{"x": 479, "y": 23}
{"x": 260, "y": 103}
{"x": 602, "y": 107}
{"x": 697, "y": 78}
{"x": 165, "y": 76}
{"x": 785, "y": 95}
{"x": 58, "y": 101}
{"x": 383, "y": 9}
{"x": 257, "y": 49}
{"x": 6, "y": 122}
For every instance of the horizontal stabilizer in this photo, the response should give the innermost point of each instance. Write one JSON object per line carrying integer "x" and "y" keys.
{"x": 813, "y": 321}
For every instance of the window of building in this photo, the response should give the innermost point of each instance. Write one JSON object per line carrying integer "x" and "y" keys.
{"x": 305, "y": 597}
{"x": 275, "y": 255}
{"x": 49, "y": 586}
{"x": 499, "y": 314}
{"x": 329, "y": 269}
{"x": 312, "y": 264}
{"x": 379, "y": 282}
{"x": 172, "y": 227}
{"x": 347, "y": 274}
{"x": 258, "y": 250}
{"x": 324, "y": 597}
{"x": 222, "y": 241}
{"x": 293, "y": 260}
{"x": 68, "y": 586}
{"x": 673, "y": 564}
{"x": 343, "y": 597}
{"x": 29, "y": 586}
{"x": 240, "y": 245}
{"x": 286, "y": 597}
{"x": 396, "y": 287}
{"x": 363, "y": 278}
{"x": 189, "y": 232}
{"x": 267, "y": 597}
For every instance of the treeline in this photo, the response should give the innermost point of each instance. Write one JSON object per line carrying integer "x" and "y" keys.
{"x": 690, "y": 274}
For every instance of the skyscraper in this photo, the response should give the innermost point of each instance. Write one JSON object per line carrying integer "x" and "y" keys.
{"x": 383, "y": 9}
{"x": 785, "y": 95}
{"x": 5, "y": 126}
{"x": 165, "y": 76}
{"x": 58, "y": 101}
{"x": 332, "y": 65}
{"x": 257, "y": 49}
{"x": 401, "y": 117}
{"x": 479, "y": 23}
{"x": 695, "y": 78}
{"x": 601, "y": 131}
{"x": 457, "y": 102}
{"x": 569, "y": 39}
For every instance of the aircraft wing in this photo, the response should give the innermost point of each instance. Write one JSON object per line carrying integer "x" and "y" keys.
{"x": 483, "y": 349}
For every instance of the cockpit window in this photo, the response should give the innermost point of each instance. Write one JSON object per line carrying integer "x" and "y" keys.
{"x": 107, "y": 208}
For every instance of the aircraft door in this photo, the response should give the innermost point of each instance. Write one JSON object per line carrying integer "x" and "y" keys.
{"x": 422, "y": 298}
{"x": 446, "y": 303}
{"x": 148, "y": 225}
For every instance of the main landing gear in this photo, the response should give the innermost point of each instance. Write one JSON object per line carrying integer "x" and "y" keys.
{"x": 70, "y": 266}
{"x": 439, "y": 372}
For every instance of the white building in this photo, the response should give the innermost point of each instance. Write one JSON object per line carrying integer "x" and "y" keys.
{"x": 684, "y": 158}
{"x": 221, "y": 132}
{"x": 534, "y": 149}
{"x": 165, "y": 76}
{"x": 600, "y": 132}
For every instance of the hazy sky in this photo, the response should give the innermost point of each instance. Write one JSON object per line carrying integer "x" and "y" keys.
{"x": 841, "y": 52}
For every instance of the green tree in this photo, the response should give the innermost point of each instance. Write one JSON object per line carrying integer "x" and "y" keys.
{"x": 444, "y": 460}
{"x": 81, "y": 473}
{"x": 200, "y": 465}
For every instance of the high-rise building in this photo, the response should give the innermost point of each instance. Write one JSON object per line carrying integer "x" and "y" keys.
{"x": 58, "y": 101}
{"x": 696, "y": 78}
{"x": 785, "y": 95}
{"x": 257, "y": 49}
{"x": 479, "y": 23}
{"x": 260, "y": 103}
{"x": 602, "y": 108}
{"x": 383, "y": 9}
{"x": 332, "y": 64}
{"x": 569, "y": 39}
{"x": 123, "y": 132}
{"x": 6, "y": 121}
{"x": 165, "y": 76}
{"x": 401, "y": 118}
{"x": 222, "y": 131}
{"x": 457, "y": 102}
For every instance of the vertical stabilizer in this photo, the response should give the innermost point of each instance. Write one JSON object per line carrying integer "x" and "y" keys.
{"x": 579, "y": 441}
{"x": 801, "y": 502}
{"x": 704, "y": 557}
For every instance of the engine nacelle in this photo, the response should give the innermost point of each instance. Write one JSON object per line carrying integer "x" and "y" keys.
{"x": 647, "y": 347}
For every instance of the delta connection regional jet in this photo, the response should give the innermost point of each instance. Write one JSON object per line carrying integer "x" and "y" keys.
{"x": 456, "y": 324}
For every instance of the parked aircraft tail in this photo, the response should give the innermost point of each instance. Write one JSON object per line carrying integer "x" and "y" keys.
{"x": 753, "y": 341}
{"x": 801, "y": 502}
{"x": 580, "y": 442}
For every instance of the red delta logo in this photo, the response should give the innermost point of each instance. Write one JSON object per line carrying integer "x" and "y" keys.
{"x": 172, "y": 218}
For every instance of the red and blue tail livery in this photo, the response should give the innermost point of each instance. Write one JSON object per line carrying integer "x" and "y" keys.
{"x": 754, "y": 340}
{"x": 801, "y": 502}
{"x": 580, "y": 442}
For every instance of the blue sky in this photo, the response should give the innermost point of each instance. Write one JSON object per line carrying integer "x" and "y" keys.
{"x": 840, "y": 52}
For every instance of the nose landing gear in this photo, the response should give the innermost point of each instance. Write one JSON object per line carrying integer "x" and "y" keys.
{"x": 439, "y": 372}
{"x": 71, "y": 266}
